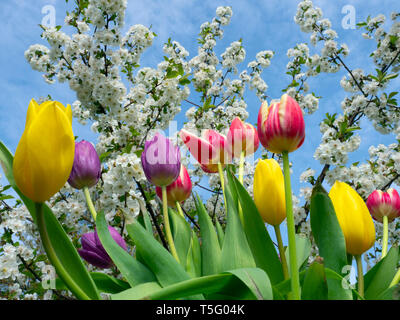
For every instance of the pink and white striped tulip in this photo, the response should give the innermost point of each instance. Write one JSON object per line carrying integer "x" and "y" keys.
{"x": 242, "y": 137}
{"x": 382, "y": 203}
{"x": 209, "y": 149}
{"x": 281, "y": 126}
{"x": 179, "y": 190}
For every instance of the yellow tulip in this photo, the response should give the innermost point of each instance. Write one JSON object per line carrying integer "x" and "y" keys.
{"x": 45, "y": 154}
{"x": 269, "y": 191}
{"x": 354, "y": 218}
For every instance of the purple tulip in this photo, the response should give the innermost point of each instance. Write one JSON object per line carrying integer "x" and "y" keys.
{"x": 93, "y": 251}
{"x": 86, "y": 170}
{"x": 161, "y": 161}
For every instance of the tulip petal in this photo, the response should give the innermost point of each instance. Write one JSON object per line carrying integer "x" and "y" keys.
{"x": 33, "y": 109}
{"x": 262, "y": 117}
{"x": 201, "y": 149}
{"x": 88, "y": 241}
{"x": 354, "y": 218}
{"x": 241, "y": 137}
{"x": 44, "y": 157}
{"x": 161, "y": 160}
{"x": 281, "y": 128}
{"x": 68, "y": 112}
{"x": 269, "y": 191}
{"x": 94, "y": 259}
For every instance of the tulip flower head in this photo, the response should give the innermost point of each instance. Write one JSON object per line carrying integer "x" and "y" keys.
{"x": 209, "y": 149}
{"x": 45, "y": 154}
{"x": 242, "y": 137}
{"x": 354, "y": 218}
{"x": 93, "y": 251}
{"x": 86, "y": 170}
{"x": 382, "y": 203}
{"x": 281, "y": 126}
{"x": 179, "y": 190}
{"x": 161, "y": 161}
{"x": 269, "y": 191}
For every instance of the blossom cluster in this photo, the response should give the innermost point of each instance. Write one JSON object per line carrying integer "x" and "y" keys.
{"x": 125, "y": 104}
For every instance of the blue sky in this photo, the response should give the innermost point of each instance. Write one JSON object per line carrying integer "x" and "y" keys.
{"x": 262, "y": 25}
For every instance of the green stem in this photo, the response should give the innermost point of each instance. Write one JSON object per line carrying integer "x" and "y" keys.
{"x": 221, "y": 177}
{"x": 241, "y": 167}
{"x": 89, "y": 202}
{"x": 360, "y": 275}
{"x": 396, "y": 279}
{"x": 281, "y": 252}
{"x": 385, "y": 236}
{"x": 52, "y": 255}
{"x": 241, "y": 170}
{"x": 178, "y": 206}
{"x": 291, "y": 230}
{"x": 166, "y": 224}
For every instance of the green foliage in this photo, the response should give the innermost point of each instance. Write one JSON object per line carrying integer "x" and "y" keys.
{"x": 133, "y": 271}
{"x": 315, "y": 286}
{"x": 236, "y": 252}
{"x": 329, "y": 238}
{"x": 254, "y": 282}
{"x": 260, "y": 243}
{"x": 59, "y": 240}
{"x": 210, "y": 248}
{"x": 378, "y": 279}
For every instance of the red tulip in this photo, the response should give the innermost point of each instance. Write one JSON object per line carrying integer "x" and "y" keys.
{"x": 281, "y": 125}
{"x": 209, "y": 149}
{"x": 382, "y": 204}
{"x": 242, "y": 137}
{"x": 179, "y": 190}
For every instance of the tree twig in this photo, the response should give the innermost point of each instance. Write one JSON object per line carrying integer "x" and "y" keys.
{"x": 152, "y": 214}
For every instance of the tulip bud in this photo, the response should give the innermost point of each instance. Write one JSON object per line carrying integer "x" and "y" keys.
{"x": 45, "y": 154}
{"x": 281, "y": 125}
{"x": 179, "y": 190}
{"x": 269, "y": 191}
{"x": 382, "y": 204}
{"x": 93, "y": 251}
{"x": 354, "y": 218}
{"x": 161, "y": 161}
{"x": 86, "y": 170}
{"x": 209, "y": 149}
{"x": 242, "y": 137}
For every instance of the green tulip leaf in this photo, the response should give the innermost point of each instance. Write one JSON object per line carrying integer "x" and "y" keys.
{"x": 220, "y": 232}
{"x": 330, "y": 240}
{"x": 314, "y": 285}
{"x": 254, "y": 281}
{"x": 163, "y": 265}
{"x": 181, "y": 234}
{"x": 391, "y": 293}
{"x": 257, "y": 281}
{"x": 144, "y": 220}
{"x": 259, "y": 241}
{"x": 236, "y": 252}
{"x": 104, "y": 283}
{"x": 65, "y": 250}
{"x": 377, "y": 281}
{"x": 332, "y": 275}
{"x": 141, "y": 291}
{"x": 134, "y": 271}
{"x": 193, "y": 260}
{"x": 283, "y": 288}
{"x": 231, "y": 188}
{"x": 210, "y": 248}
